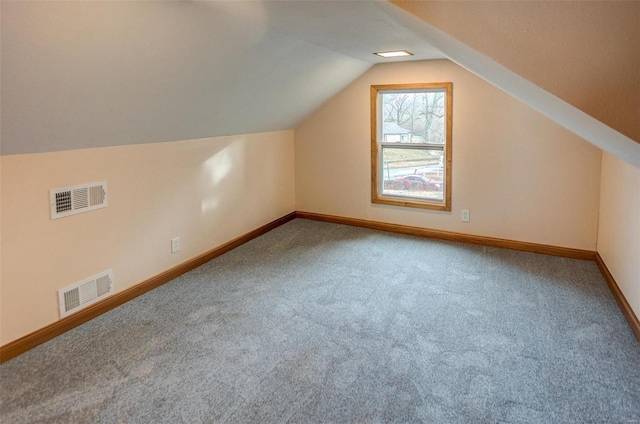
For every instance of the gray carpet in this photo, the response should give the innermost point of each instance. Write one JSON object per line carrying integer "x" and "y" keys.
{"x": 317, "y": 322}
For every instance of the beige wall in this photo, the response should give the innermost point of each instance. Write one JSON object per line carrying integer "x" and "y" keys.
{"x": 521, "y": 176}
{"x": 585, "y": 52}
{"x": 205, "y": 191}
{"x": 619, "y": 230}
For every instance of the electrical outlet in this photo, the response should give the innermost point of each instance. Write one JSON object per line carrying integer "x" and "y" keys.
{"x": 175, "y": 245}
{"x": 465, "y": 216}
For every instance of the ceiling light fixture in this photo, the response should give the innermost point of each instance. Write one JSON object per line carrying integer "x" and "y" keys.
{"x": 395, "y": 53}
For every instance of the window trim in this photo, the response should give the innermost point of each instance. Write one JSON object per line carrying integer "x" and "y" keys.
{"x": 376, "y": 150}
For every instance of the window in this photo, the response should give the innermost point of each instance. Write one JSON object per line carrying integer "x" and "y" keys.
{"x": 411, "y": 145}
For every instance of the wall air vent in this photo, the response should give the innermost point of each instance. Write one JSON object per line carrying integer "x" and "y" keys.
{"x": 82, "y": 198}
{"x": 85, "y": 293}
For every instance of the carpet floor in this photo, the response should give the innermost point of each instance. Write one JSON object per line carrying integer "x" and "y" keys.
{"x": 315, "y": 322}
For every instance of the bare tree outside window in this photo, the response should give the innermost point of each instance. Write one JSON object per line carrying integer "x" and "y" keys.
{"x": 422, "y": 114}
{"x": 411, "y": 145}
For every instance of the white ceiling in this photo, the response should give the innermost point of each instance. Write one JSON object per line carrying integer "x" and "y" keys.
{"x": 82, "y": 74}
{"x": 91, "y": 74}
{"x": 352, "y": 28}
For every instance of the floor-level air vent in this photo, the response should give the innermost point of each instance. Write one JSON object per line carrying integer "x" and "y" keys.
{"x": 84, "y": 293}
{"x": 82, "y": 198}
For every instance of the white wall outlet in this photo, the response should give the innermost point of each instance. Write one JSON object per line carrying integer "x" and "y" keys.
{"x": 465, "y": 216}
{"x": 175, "y": 245}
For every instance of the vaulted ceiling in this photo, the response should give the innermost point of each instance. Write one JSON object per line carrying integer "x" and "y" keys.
{"x": 92, "y": 74}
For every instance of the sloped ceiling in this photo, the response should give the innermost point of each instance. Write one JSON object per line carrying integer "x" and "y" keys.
{"x": 585, "y": 52}
{"x": 91, "y": 74}
{"x": 556, "y": 109}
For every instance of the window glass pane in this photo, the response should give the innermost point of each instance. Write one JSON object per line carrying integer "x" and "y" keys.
{"x": 411, "y": 145}
{"x": 414, "y": 172}
{"x": 416, "y": 117}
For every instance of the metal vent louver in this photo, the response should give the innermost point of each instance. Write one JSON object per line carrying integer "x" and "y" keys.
{"x": 82, "y": 198}
{"x": 85, "y": 293}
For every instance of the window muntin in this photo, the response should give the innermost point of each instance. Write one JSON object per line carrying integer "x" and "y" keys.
{"x": 411, "y": 145}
